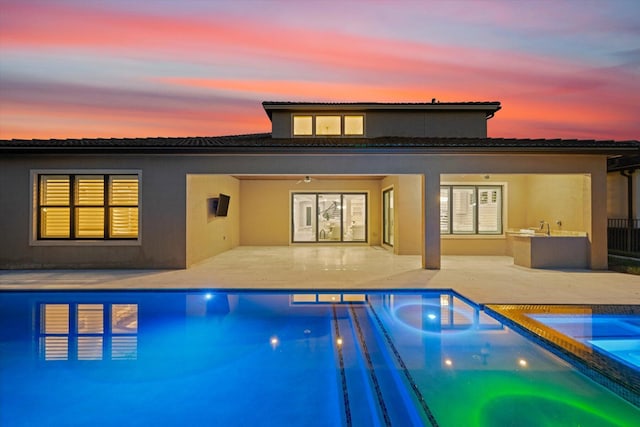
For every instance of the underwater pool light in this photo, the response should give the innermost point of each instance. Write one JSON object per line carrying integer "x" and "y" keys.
{"x": 522, "y": 362}
{"x": 431, "y": 316}
{"x": 339, "y": 341}
{"x": 208, "y": 295}
{"x": 274, "y": 342}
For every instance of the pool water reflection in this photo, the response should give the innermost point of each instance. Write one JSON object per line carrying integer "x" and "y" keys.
{"x": 273, "y": 358}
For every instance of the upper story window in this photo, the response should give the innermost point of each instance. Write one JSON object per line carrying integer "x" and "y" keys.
{"x": 328, "y": 125}
{"x": 87, "y": 206}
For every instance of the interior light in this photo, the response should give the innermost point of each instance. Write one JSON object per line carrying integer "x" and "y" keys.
{"x": 522, "y": 362}
{"x": 339, "y": 341}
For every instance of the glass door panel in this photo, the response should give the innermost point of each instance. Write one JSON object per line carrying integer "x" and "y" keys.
{"x": 387, "y": 213}
{"x": 304, "y": 218}
{"x": 353, "y": 218}
{"x": 329, "y": 218}
{"x": 463, "y": 218}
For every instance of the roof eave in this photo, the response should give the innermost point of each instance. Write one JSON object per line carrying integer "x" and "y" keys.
{"x": 490, "y": 107}
{"x": 288, "y": 149}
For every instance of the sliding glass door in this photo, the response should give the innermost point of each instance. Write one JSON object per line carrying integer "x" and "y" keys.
{"x": 354, "y": 214}
{"x": 387, "y": 217}
{"x": 329, "y": 217}
{"x": 304, "y": 217}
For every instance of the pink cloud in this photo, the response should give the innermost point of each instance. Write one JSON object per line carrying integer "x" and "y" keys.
{"x": 542, "y": 96}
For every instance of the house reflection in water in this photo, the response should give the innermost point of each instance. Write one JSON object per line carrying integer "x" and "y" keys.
{"x": 88, "y": 331}
{"x": 103, "y": 326}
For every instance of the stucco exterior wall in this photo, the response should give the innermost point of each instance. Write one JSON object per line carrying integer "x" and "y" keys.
{"x": 432, "y": 124}
{"x": 468, "y": 124}
{"x": 555, "y": 198}
{"x": 164, "y": 186}
{"x": 162, "y": 217}
{"x": 265, "y": 207}
{"x": 407, "y": 195}
{"x": 617, "y": 200}
{"x": 281, "y": 124}
{"x": 207, "y": 234}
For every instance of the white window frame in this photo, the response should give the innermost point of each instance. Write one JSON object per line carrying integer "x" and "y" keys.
{"x": 33, "y": 211}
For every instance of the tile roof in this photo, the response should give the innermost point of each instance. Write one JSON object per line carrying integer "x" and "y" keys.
{"x": 264, "y": 143}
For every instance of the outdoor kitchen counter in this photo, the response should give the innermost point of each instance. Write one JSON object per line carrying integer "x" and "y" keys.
{"x": 559, "y": 250}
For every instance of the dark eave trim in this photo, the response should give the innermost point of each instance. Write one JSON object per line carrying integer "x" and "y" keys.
{"x": 623, "y": 163}
{"x": 316, "y": 150}
{"x": 489, "y": 107}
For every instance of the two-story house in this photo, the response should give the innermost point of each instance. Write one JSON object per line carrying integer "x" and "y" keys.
{"x": 415, "y": 178}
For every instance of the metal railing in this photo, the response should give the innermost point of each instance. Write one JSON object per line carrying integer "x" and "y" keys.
{"x": 624, "y": 237}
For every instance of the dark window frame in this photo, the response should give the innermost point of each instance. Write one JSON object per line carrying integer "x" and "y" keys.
{"x": 72, "y": 335}
{"x": 475, "y": 232}
{"x": 384, "y": 215}
{"x": 73, "y": 206}
{"x": 317, "y": 234}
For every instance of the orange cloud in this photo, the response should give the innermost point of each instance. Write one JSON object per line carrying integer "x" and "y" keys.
{"x": 542, "y": 96}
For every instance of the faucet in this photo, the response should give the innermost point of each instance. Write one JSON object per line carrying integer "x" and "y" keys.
{"x": 542, "y": 224}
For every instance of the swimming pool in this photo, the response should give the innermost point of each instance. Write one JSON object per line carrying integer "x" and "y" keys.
{"x": 281, "y": 358}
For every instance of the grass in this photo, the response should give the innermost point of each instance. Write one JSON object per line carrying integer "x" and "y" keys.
{"x": 624, "y": 264}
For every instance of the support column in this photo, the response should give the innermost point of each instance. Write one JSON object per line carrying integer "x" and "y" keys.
{"x": 598, "y": 235}
{"x": 431, "y": 221}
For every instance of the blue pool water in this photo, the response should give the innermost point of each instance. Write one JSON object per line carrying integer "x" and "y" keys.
{"x": 201, "y": 358}
{"x": 615, "y": 335}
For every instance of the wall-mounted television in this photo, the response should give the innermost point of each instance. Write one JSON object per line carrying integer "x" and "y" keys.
{"x": 221, "y": 205}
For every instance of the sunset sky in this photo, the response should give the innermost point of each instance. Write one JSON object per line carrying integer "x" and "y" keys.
{"x": 125, "y": 68}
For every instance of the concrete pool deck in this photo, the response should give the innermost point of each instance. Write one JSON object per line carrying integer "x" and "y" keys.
{"x": 483, "y": 279}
